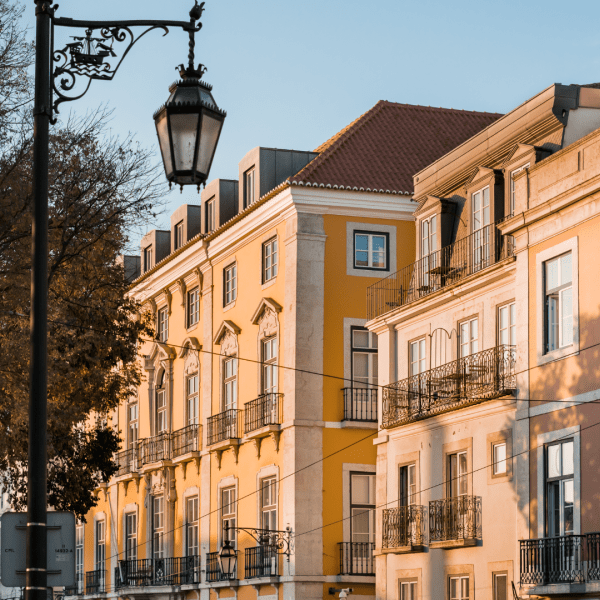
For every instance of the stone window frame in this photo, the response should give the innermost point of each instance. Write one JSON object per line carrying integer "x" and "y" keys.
{"x": 497, "y": 568}
{"x": 190, "y": 492}
{"x": 99, "y": 516}
{"x": 571, "y": 245}
{"x": 227, "y": 482}
{"x": 466, "y": 444}
{"x": 403, "y": 460}
{"x": 408, "y": 576}
{"x": 347, "y": 470}
{"x": 459, "y": 571}
{"x": 230, "y": 265}
{"x": 264, "y": 244}
{"x": 128, "y": 509}
{"x": 492, "y": 439}
{"x": 373, "y": 228}
{"x": 265, "y": 472}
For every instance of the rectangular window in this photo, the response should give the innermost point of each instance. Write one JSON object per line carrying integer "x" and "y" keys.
{"x": 500, "y": 586}
{"x": 133, "y": 425}
{"x": 429, "y": 247}
{"x": 362, "y": 507}
{"x": 210, "y": 215}
{"x": 79, "y": 556}
{"x": 459, "y": 588}
{"x": 131, "y": 536}
{"x": 511, "y": 204}
{"x": 192, "y": 400}
{"x": 230, "y": 368}
{"x": 417, "y": 357}
{"x": 481, "y": 231}
{"x": 163, "y": 324}
{"x": 161, "y": 411}
{"x": 249, "y": 187}
{"x": 469, "y": 337}
{"x": 100, "y": 545}
{"x": 268, "y": 503}
{"x": 147, "y": 258}
{"x": 499, "y": 459}
{"x": 559, "y": 302}
{"x": 191, "y": 507}
{"x": 269, "y": 366}
{"x": 507, "y": 325}
{"x": 370, "y": 250}
{"x": 408, "y": 485}
{"x": 178, "y": 231}
{"x": 193, "y": 307}
{"x": 158, "y": 526}
{"x": 269, "y": 260}
{"x": 364, "y": 357}
{"x": 228, "y": 513}
{"x": 559, "y": 488}
{"x": 408, "y": 590}
{"x": 229, "y": 284}
{"x": 457, "y": 474}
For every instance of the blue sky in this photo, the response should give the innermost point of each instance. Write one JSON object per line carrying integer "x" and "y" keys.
{"x": 291, "y": 74}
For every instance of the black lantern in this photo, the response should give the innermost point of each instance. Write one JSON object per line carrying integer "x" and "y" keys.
{"x": 227, "y": 558}
{"x": 189, "y": 124}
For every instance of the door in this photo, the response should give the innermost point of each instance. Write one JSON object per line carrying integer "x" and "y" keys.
{"x": 481, "y": 229}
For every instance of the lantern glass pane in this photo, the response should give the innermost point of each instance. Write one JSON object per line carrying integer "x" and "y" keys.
{"x": 208, "y": 142}
{"x": 163, "y": 139}
{"x": 184, "y": 129}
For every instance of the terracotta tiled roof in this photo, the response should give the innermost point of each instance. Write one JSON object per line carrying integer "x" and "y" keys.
{"x": 387, "y": 145}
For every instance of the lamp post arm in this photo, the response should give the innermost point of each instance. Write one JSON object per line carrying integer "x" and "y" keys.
{"x": 67, "y": 22}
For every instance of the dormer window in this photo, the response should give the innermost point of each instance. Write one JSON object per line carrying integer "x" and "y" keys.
{"x": 511, "y": 207}
{"x": 147, "y": 258}
{"x": 249, "y": 187}
{"x": 481, "y": 230}
{"x": 210, "y": 215}
{"x": 178, "y": 232}
{"x": 429, "y": 236}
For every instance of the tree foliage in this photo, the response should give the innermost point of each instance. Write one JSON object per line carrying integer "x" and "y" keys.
{"x": 101, "y": 189}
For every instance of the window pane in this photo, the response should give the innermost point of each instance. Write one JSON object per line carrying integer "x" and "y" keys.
{"x": 554, "y": 469}
{"x": 565, "y": 269}
{"x": 552, "y": 274}
{"x": 362, "y": 242}
{"x": 360, "y": 489}
{"x": 500, "y": 587}
{"x": 361, "y": 339}
{"x": 568, "y": 506}
{"x": 567, "y": 458}
{"x": 362, "y": 259}
{"x": 361, "y": 365}
{"x": 566, "y": 324}
{"x": 499, "y": 458}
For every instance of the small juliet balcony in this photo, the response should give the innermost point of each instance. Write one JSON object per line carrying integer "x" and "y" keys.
{"x": 404, "y": 529}
{"x": 463, "y": 382}
{"x": 157, "y": 572}
{"x": 95, "y": 582}
{"x": 263, "y": 415}
{"x": 455, "y": 522}
{"x": 356, "y": 558}
{"x": 77, "y": 589}
{"x": 360, "y": 404}
{"x": 552, "y": 565}
{"x": 213, "y": 571}
{"x": 442, "y": 269}
{"x": 261, "y": 561}
{"x": 186, "y": 441}
{"x": 155, "y": 449}
{"x": 127, "y": 461}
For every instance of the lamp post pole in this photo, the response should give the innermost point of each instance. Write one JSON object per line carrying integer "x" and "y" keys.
{"x": 75, "y": 62}
{"x": 35, "y": 577}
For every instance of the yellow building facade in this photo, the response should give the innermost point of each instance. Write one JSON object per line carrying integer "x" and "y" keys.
{"x": 259, "y": 406}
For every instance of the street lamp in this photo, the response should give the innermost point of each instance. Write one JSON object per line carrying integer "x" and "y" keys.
{"x": 227, "y": 559}
{"x": 193, "y": 123}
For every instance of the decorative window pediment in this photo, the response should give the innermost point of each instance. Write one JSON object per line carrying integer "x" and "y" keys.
{"x": 265, "y": 316}
{"x": 189, "y": 352}
{"x": 227, "y": 337}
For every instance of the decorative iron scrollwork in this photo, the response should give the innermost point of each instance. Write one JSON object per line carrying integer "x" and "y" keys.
{"x": 280, "y": 542}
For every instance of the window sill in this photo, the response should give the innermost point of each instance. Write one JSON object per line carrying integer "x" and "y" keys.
{"x": 229, "y": 306}
{"x": 410, "y": 549}
{"x": 558, "y": 354}
{"x": 269, "y": 283}
{"x": 449, "y": 544}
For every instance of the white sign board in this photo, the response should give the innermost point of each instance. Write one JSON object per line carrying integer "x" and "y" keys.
{"x": 61, "y": 549}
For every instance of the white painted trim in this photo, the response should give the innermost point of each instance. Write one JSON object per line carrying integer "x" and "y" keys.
{"x": 267, "y": 471}
{"x": 566, "y": 246}
{"x": 229, "y": 481}
{"x": 99, "y": 516}
{"x": 347, "y": 468}
{"x": 546, "y": 438}
{"x": 351, "y": 227}
{"x": 349, "y": 322}
{"x": 549, "y": 407}
{"x": 133, "y": 507}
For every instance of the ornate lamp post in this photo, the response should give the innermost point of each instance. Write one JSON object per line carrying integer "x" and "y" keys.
{"x": 193, "y": 123}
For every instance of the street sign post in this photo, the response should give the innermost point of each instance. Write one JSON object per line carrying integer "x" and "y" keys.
{"x": 61, "y": 549}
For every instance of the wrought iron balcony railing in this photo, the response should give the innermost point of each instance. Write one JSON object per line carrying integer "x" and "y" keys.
{"x": 454, "y": 519}
{"x": 404, "y": 527}
{"x": 213, "y": 572}
{"x": 127, "y": 461}
{"x": 186, "y": 440}
{"x": 261, "y": 561}
{"x": 468, "y": 380}
{"x": 439, "y": 270}
{"x": 157, "y": 572}
{"x": 565, "y": 559}
{"x": 264, "y": 410}
{"x": 77, "y": 589}
{"x": 155, "y": 449}
{"x": 224, "y": 426}
{"x": 95, "y": 582}
{"x": 360, "y": 404}
{"x": 356, "y": 558}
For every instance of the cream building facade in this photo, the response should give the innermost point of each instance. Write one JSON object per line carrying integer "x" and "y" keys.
{"x": 486, "y": 468}
{"x": 260, "y": 401}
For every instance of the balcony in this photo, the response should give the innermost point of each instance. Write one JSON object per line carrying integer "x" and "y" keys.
{"x": 264, "y": 411}
{"x": 571, "y": 559}
{"x": 224, "y": 427}
{"x": 360, "y": 404}
{"x": 77, "y": 589}
{"x": 454, "y": 522}
{"x": 186, "y": 440}
{"x": 157, "y": 572}
{"x": 155, "y": 449}
{"x": 463, "y": 382}
{"x": 261, "y": 561}
{"x": 356, "y": 558}
{"x": 439, "y": 270}
{"x": 404, "y": 529}
{"x": 126, "y": 461}
{"x": 213, "y": 572}
{"x": 95, "y": 582}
